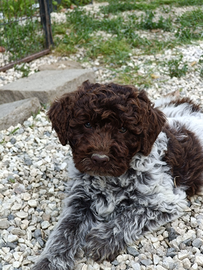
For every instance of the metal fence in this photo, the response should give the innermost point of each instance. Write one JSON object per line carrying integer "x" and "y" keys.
{"x": 25, "y": 31}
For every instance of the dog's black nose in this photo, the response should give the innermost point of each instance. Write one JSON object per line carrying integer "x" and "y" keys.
{"x": 99, "y": 159}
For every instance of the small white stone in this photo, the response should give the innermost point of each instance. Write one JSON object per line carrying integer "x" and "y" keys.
{"x": 84, "y": 267}
{"x": 194, "y": 266}
{"x": 4, "y": 223}
{"x": 33, "y": 203}
{"x": 45, "y": 224}
{"x": 159, "y": 267}
{"x": 193, "y": 222}
{"x": 17, "y": 255}
{"x": 135, "y": 265}
{"x": 183, "y": 254}
{"x": 16, "y": 264}
{"x": 186, "y": 263}
{"x": 7, "y": 267}
{"x": 5, "y": 249}
{"x": 22, "y": 214}
{"x": 16, "y": 206}
{"x": 122, "y": 266}
{"x": 154, "y": 239}
{"x": 156, "y": 259}
{"x": 24, "y": 224}
{"x": 199, "y": 260}
{"x": 12, "y": 238}
{"x": 52, "y": 206}
{"x": 26, "y": 196}
{"x": 17, "y": 231}
{"x": 119, "y": 258}
{"x": 156, "y": 245}
{"x": 63, "y": 166}
{"x": 51, "y": 190}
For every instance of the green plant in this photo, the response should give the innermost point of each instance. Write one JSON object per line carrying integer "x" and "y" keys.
{"x": 201, "y": 59}
{"x": 68, "y": 3}
{"x": 177, "y": 68}
{"x": 191, "y": 18}
{"x": 201, "y": 73}
{"x": 12, "y": 180}
{"x": 191, "y": 24}
{"x": 34, "y": 115}
{"x": 80, "y": 2}
{"x": 114, "y": 51}
{"x": 17, "y": 8}
{"x": 14, "y": 131}
{"x": 3, "y": 141}
{"x": 147, "y": 22}
{"x": 187, "y": 34}
{"x": 25, "y": 69}
{"x": 21, "y": 40}
{"x": 115, "y": 6}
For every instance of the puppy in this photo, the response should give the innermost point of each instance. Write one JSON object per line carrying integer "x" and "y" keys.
{"x": 133, "y": 166}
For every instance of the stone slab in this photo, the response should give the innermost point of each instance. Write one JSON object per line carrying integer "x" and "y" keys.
{"x": 62, "y": 64}
{"x": 46, "y": 85}
{"x": 17, "y": 112}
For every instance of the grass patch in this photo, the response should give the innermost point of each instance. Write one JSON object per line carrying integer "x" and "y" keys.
{"x": 21, "y": 40}
{"x": 144, "y": 81}
{"x": 12, "y": 8}
{"x": 13, "y": 131}
{"x": 192, "y": 18}
{"x": 191, "y": 24}
{"x": 24, "y": 68}
{"x": 147, "y": 22}
{"x": 114, "y": 51}
{"x": 177, "y": 67}
{"x": 120, "y": 35}
{"x": 116, "y": 6}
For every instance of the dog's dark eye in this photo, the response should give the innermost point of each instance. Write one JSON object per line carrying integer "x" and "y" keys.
{"x": 87, "y": 125}
{"x": 123, "y": 130}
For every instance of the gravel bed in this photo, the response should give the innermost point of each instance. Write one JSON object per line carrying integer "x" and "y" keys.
{"x": 33, "y": 176}
{"x": 33, "y": 179}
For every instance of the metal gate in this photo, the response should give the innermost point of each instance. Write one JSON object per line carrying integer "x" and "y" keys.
{"x": 25, "y": 31}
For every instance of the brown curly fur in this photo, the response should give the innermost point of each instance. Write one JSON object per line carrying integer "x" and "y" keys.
{"x": 106, "y": 120}
{"x": 107, "y": 124}
{"x": 185, "y": 158}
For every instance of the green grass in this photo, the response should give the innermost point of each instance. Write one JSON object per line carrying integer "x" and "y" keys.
{"x": 21, "y": 40}
{"x": 147, "y": 22}
{"x": 124, "y": 35}
{"x": 115, "y": 52}
{"x": 116, "y": 6}
{"x": 12, "y": 8}
{"x": 121, "y": 6}
{"x": 14, "y": 131}
{"x": 132, "y": 77}
{"x": 177, "y": 67}
{"x": 190, "y": 25}
{"x": 192, "y": 18}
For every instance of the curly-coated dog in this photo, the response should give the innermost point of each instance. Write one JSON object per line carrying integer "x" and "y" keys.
{"x": 133, "y": 166}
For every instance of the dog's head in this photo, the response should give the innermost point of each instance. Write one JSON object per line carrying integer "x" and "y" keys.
{"x": 106, "y": 125}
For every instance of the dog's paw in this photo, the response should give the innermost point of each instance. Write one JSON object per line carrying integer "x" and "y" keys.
{"x": 100, "y": 249}
{"x": 42, "y": 265}
{"x": 46, "y": 264}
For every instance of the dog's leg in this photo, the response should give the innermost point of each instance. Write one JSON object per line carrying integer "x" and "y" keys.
{"x": 68, "y": 237}
{"x": 107, "y": 240}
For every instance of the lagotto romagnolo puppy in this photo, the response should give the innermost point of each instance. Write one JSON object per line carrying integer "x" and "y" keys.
{"x": 133, "y": 166}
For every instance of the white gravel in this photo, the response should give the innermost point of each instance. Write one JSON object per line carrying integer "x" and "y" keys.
{"x": 33, "y": 173}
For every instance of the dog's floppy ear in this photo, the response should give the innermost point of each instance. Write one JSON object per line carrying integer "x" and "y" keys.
{"x": 59, "y": 114}
{"x": 153, "y": 123}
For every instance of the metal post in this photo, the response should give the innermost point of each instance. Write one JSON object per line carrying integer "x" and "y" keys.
{"x": 46, "y": 21}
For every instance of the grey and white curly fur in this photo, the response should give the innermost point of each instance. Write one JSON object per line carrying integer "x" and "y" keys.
{"x": 103, "y": 214}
